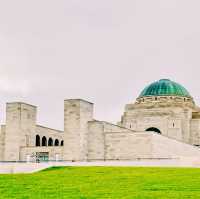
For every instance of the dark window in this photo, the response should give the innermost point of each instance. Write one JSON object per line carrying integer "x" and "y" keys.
{"x": 62, "y": 143}
{"x": 56, "y": 142}
{"x": 37, "y": 140}
{"x": 50, "y": 142}
{"x": 44, "y": 141}
{"x": 154, "y": 129}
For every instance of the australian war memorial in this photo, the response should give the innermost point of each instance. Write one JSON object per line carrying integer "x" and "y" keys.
{"x": 163, "y": 122}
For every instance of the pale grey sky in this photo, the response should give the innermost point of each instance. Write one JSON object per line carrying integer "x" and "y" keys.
{"x": 104, "y": 51}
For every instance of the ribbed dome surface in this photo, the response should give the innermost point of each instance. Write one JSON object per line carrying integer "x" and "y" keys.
{"x": 165, "y": 87}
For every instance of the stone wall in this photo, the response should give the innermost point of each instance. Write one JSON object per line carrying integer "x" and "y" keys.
{"x": 96, "y": 138}
{"x": 96, "y": 141}
{"x": 54, "y": 152}
{"x": 2, "y": 141}
{"x": 130, "y": 146}
{"x": 164, "y": 147}
{"x": 195, "y": 132}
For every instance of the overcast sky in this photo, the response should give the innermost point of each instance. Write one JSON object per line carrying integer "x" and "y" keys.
{"x": 104, "y": 51}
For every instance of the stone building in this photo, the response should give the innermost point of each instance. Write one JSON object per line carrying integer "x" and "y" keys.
{"x": 163, "y": 122}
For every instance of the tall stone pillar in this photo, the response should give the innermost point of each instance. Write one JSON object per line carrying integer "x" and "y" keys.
{"x": 77, "y": 114}
{"x": 20, "y": 125}
{"x": 186, "y": 122}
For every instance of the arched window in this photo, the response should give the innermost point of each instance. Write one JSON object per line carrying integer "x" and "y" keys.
{"x": 154, "y": 129}
{"x": 50, "y": 142}
{"x": 44, "y": 141}
{"x": 56, "y": 142}
{"x": 37, "y": 140}
{"x": 62, "y": 143}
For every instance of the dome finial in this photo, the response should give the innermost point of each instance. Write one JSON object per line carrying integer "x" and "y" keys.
{"x": 164, "y": 79}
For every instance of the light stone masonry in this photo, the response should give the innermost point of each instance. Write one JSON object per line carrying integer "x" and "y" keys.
{"x": 163, "y": 123}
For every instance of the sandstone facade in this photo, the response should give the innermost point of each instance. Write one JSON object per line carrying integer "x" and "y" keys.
{"x": 156, "y": 125}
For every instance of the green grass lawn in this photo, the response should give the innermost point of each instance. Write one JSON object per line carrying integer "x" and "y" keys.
{"x": 103, "y": 182}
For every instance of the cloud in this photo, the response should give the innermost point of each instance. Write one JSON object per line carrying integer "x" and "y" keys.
{"x": 11, "y": 85}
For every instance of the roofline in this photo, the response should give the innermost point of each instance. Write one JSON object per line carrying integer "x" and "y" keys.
{"x": 79, "y": 99}
{"x": 38, "y": 125}
{"x": 21, "y": 103}
{"x": 165, "y": 96}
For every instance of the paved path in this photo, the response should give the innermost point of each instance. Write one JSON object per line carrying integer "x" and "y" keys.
{"x": 34, "y": 167}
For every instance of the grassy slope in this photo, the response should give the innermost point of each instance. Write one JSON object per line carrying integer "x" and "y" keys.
{"x": 103, "y": 182}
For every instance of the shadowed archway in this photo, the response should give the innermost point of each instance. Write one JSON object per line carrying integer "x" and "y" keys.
{"x": 154, "y": 129}
{"x": 37, "y": 140}
{"x": 50, "y": 142}
{"x": 56, "y": 142}
{"x": 44, "y": 141}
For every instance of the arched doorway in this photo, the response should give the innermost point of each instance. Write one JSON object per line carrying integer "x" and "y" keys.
{"x": 154, "y": 129}
{"x": 44, "y": 141}
{"x": 56, "y": 142}
{"x": 50, "y": 142}
{"x": 37, "y": 140}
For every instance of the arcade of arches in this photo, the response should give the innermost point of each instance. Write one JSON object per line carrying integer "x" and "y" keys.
{"x": 43, "y": 141}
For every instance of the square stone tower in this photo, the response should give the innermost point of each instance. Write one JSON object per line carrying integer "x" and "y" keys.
{"x": 77, "y": 114}
{"x": 20, "y": 125}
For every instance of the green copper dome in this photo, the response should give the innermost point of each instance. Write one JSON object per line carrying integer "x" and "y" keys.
{"x": 165, "y": 87}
